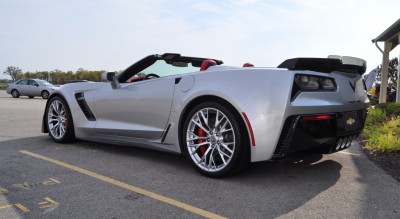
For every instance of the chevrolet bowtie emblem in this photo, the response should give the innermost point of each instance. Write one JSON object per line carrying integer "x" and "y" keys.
{"x": 350, "y": 121}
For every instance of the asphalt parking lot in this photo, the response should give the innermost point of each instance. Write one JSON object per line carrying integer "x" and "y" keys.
{"x": 42, "y": 179}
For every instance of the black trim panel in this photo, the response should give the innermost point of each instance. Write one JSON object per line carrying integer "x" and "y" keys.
{"x": 166, "y": 132}
{"x": 80, "y": 98}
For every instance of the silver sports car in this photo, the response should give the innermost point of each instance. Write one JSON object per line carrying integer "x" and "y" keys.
{"x": 220, "y": 117}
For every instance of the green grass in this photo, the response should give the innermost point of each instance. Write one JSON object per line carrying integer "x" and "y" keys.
{"x": 382, "y": 128}
{"x": 3, "y": 85}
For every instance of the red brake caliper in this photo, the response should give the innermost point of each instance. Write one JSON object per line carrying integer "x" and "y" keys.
{"x": 201, "y": 133}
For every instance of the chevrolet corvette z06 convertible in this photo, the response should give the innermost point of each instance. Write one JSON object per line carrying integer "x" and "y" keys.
{"x": 220, "y": 117}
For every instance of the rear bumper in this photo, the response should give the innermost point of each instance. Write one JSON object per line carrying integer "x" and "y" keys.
{"x": 325, "y": 133}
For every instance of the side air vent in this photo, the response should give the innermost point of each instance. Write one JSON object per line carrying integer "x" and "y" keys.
{"x": 80, "y": 98}
{"x": 286, "y": 135}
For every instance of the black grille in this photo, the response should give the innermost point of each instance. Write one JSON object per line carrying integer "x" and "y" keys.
{"x": 80, "y": 98}
{"x": 284, "y": 139}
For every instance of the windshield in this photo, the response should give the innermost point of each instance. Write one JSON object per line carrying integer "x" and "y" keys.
{"x": 45, "y": 83}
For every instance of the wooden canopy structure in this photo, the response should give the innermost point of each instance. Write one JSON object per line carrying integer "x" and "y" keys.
{"x": 391, "y": 38}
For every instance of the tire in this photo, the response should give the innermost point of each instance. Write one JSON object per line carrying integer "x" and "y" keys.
{"x": 31, "y": 97}
{"x": 59, "y": 120}
{"x": 15, "y": 93}
{"x": 45, "y": 94}
{"x": 213, "y": 140}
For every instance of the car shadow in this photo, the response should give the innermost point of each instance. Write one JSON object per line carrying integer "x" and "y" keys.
{"x": 266, "y": 189}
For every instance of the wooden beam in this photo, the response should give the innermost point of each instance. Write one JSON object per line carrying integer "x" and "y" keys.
{"x": 385, "y": 72}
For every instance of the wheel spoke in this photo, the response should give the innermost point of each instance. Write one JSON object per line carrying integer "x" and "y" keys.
{"x": 202, "y": 116}
{"x": 211, "y": 162}
{"x": 222, "y": 155}
{"x": 200, "y": 126}
{"x": 223, "y": 126}
{"x": 196, "y": 137}
{"x": 226, "y": 148}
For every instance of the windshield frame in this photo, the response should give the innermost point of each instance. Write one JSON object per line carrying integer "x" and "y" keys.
{"x": 169, "y": 59}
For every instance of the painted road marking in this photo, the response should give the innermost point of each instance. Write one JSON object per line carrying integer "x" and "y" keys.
{"x": 22, "y": 208}
{"x": 51, "y": 182}
{"x": 3, "y": 191}
{"x": 132, "y": 188}
{"x": 6, "y": 206}
{"x": 48, "y": 203}
{"x": 24, "y": 185}
{"x": 18, "y": 205}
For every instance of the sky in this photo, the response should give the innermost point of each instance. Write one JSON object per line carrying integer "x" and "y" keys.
{"x": 45, "y": 35}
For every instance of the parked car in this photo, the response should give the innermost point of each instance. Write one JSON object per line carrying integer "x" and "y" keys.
{"x": 31, "y": 88}
{"x": 220, "y": 117}
{"x": 76, "y": 81}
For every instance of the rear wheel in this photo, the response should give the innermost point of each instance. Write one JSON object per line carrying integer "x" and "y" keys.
{"x": 45, "y": 94}
{"x": 59, "y": 120}
{"x": 213, "y": 140}
{"x": 15, "y": 93}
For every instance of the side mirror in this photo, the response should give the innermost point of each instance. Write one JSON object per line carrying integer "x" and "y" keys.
{"x": 36, "y": 85}
{"x": 112, "y": 78}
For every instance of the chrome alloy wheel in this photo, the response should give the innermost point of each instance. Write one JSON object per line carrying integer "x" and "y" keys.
{"x": 210, "y": 139}
{"x": 57, "y": 119}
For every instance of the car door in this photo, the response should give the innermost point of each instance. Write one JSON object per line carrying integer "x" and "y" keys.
{"x": 21, "y": 86}
{"x": 33, "y": 88}
{"x": 139, "y": 109}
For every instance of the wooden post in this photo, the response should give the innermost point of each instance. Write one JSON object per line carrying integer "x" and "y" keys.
{"x": 385, "y": 72}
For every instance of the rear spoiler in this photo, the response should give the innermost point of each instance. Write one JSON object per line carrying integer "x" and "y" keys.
{"x": 332, "y": 63}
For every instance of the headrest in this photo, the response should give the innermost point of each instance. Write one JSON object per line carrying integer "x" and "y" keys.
{"x": 248, "y": 65}
{"x": 207, "y": 63}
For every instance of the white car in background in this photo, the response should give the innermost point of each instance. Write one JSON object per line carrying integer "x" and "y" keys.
{"x": 31, "y": 88}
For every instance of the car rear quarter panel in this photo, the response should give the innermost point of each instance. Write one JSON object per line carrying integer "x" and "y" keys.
{"x": 259, "y": 93}
{"x": 264, "y": 95}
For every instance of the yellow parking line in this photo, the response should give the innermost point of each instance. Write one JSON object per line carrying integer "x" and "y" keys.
{"x": 153, "y": 195}
{"x": 5, "y": 206}
{"x": 51, "y": 201}
{"x": 22, "y": 208}
{"x": 54, "y": 180}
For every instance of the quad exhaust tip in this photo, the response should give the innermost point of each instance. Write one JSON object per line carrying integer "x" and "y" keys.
{"x": 345, "y": 142}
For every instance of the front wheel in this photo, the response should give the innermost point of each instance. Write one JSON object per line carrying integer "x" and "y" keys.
{"x": 214, "y": 140}
{"x": 45, "y": 94}
{"x": 59, "y": 120}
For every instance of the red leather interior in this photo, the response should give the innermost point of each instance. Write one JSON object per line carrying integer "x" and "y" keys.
{"x": 135, "y": 79}
{"x": 248, "y": 65}
{"x": 207, "y": 63}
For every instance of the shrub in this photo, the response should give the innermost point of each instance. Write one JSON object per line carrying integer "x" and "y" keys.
{"x": 375, "y": 116}
{"x": 384, "y": 137}
{"x": 382, "y": 128}
{"x": 391, "y": 109}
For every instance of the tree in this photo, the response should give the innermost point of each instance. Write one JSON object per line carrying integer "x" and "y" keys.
{"x": 392, "y": 76}
{"x": 13, "y": 72}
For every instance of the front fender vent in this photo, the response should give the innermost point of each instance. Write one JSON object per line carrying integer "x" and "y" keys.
{"x": 80, "y": 98}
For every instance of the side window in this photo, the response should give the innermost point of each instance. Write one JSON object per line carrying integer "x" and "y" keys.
{"x": 23, "y": 82}
{"x": 32, "y": 82}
